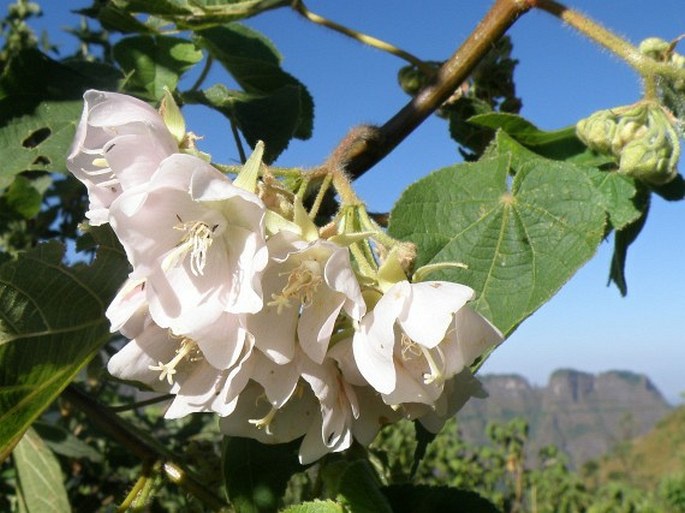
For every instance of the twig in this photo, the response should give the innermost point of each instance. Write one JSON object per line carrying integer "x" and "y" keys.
{"x": 142, "y": 446}
{"x": 447, "y": 79}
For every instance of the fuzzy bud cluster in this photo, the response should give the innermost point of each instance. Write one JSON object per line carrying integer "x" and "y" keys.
{"x": 641, "y": 137}
{"x": 238, "y": 304}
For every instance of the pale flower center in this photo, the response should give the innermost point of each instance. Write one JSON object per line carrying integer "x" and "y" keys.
{"x": 303, "y": 282}
{"x": 188, "y": 349}
{"x": 435, "y": 359}
{"x": 196, "y": 241}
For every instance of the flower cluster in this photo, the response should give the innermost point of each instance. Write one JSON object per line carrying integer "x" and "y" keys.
{"x": 249, "y": 311}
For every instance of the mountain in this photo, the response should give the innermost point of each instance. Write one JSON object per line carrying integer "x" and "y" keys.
{"x": 647, "y": 459}
{"x": 583, "y": 414}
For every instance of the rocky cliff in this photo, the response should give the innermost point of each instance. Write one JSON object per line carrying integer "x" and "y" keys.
{"x": 586, "y": 415}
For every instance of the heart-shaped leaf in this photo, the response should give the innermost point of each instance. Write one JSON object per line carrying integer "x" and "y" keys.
{"x": 520, "y": 238}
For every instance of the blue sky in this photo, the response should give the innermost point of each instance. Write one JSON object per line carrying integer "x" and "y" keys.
{"x": 561, "y": 78}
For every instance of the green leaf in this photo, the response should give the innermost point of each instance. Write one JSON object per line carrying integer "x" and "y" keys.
{"x": 32, "y": 77}
{"x": 520, "y": 243}
{"x": 41, "y": 483}
{"x": 254, "y": 63}
{"x": 623, "y": 238}
{"x": 256, "y": 474}
{"x": 431, "y": 499}
{"x": 618, "y": 192}
{"x": 62, "y": 442}
{"x": 556, "y": 144}
{"x": 196, "y": 14}
{"x": 51, "y": 324}
{"x": 23, "y": 197}
{"x": 155, "y": 62}
{"x": 360, "y": 488}
{"x": 423, "y": 439}
{"x": 327, "y": 506}
{"x": 271, "y": 118}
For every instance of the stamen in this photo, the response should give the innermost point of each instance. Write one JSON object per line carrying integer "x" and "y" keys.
{"x": 197, "y": 240}
{"x": 303, "y": 282}
{"x": 436, "y": 374}
{"x": 167, "y": 370}
{"x": 100, "y": 162}
{"x": 409, "y": 348}
{"x": 265, "y": 422}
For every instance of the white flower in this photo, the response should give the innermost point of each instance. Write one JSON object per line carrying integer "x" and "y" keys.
{"x": 419, "y": 336}
{"x": 197, "y": 240}
{"x": 321, "y": 406}
{"x": 176, "y": 365}
{"x": 306, "y": 285}
{"x": 118, "y": 144}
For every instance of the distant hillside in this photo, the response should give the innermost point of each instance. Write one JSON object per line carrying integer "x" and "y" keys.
{"x": 645, "y": 460}
{"x": 586, "y": 415}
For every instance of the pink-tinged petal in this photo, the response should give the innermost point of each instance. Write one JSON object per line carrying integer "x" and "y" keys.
{"x": 341, "y": 278}
{"x": 312, "y": 447}
{"x": 316, "y": 323}
{"x": 410, "y": 388}
{"x": 343, "y": 355}
{"x": 279, "y": 381}
{"x": 134, "y": 158}
{"x": 274, "y": 332}
{"x": 430, "y": 310}
{"x": 116, "y": 109}
{"x": 128, "y": 310}
{"x": 133, "y": 361}
{"x": 287, "y": 423}
{"x": 221, "y": 341}
{"x": 119, "y": 142}
{"x": 199, "y": 392}
{"x": 470, "y": 336}
{"x": 244, "y": 286}
{"x": 475, "y": 334}
{"x": 374, "y": 343}
{"x": 374, "y": 414}
{"x": 458, "y": 391}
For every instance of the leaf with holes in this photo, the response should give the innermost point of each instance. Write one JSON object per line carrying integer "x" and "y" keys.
{"x": 38, "y": 141}
{"x": 51, "y": 324}
{"x": 520, "y": 242}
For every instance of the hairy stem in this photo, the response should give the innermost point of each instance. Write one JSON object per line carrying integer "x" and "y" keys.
{"x": 145, "y": 448}
{"x": 448, "y": 78}
{"x": 301, "y": 9}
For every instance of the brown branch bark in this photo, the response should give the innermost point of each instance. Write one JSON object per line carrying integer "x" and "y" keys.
{"x": 358, "y": 154}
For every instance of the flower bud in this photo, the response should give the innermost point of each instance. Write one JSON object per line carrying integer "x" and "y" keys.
{"x": 641, "y": 137}
{"x": 655, "y": 47}
{"x": 631, "y": 125}
{"x": 597, "y": 131}
{"x": 652, "y": 157}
